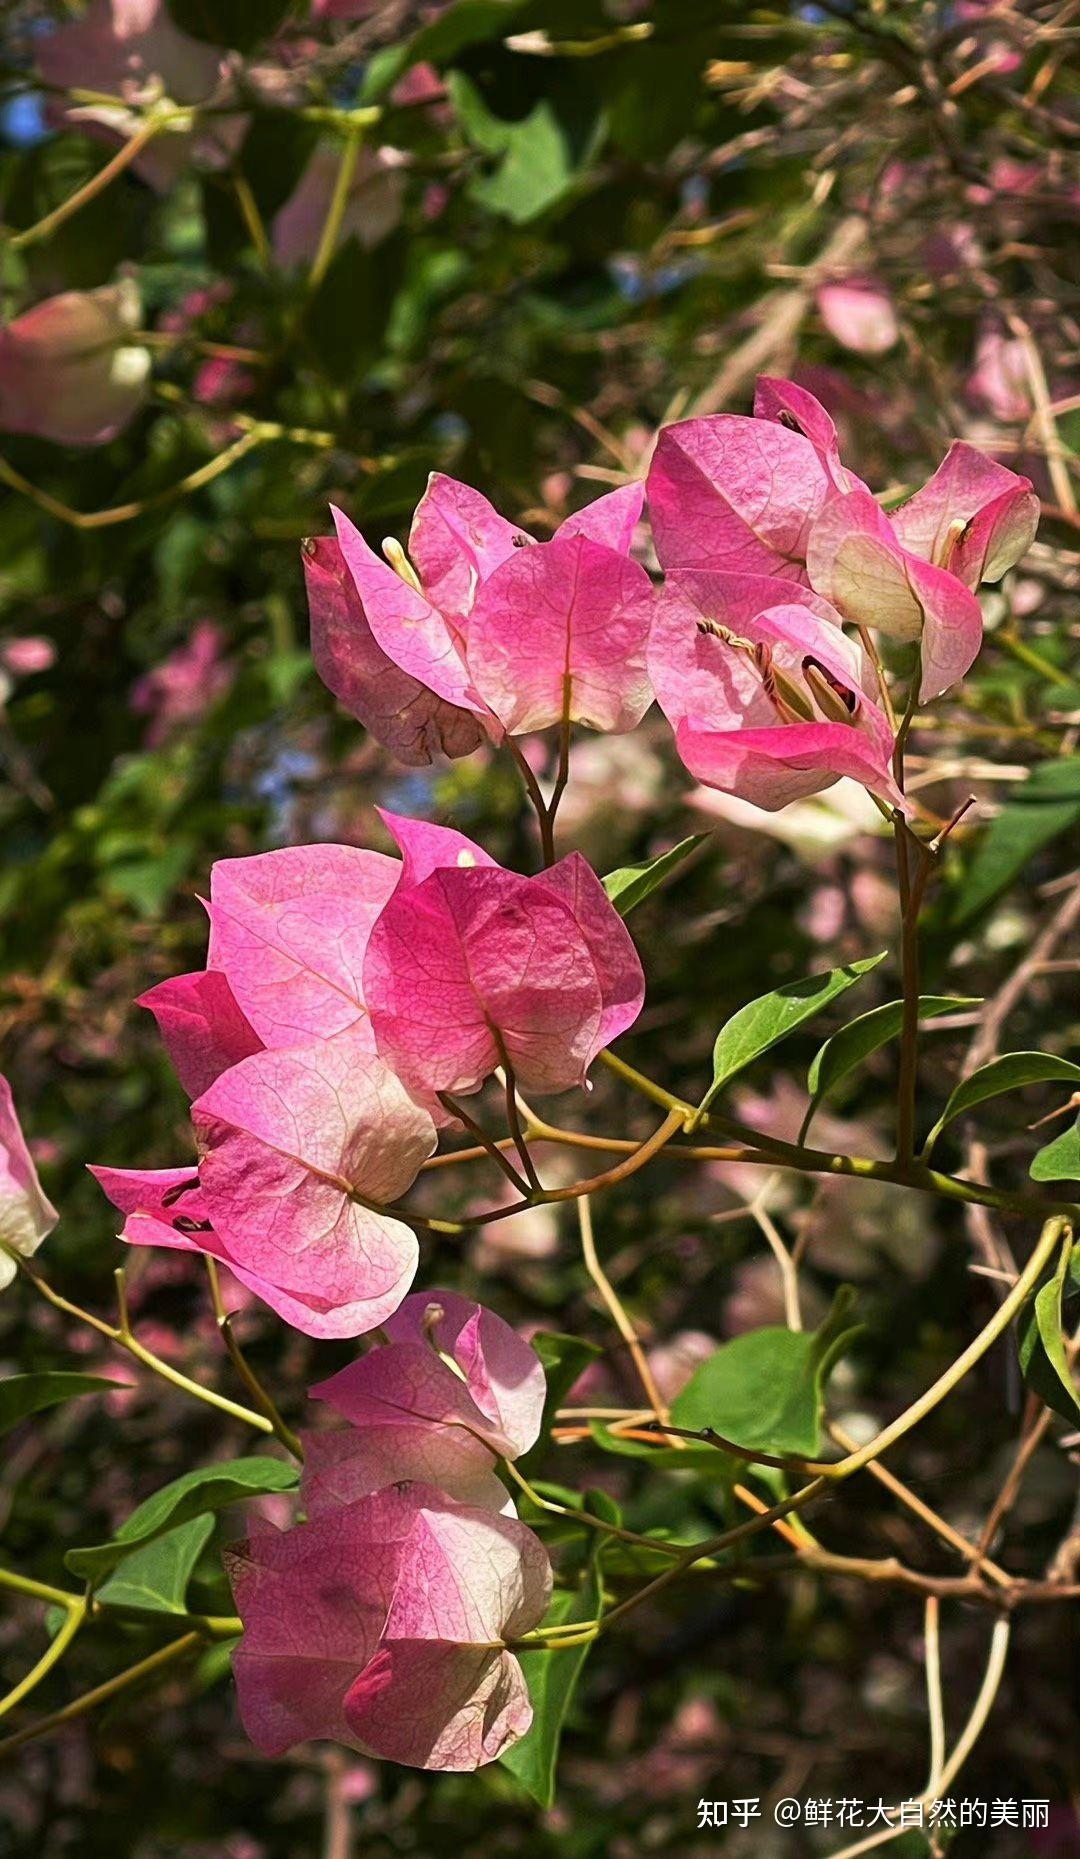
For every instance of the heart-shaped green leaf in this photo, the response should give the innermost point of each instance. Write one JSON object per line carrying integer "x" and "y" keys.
{"x": 154, "y": 1579}
{"x": 210, "y": 1488}
{"x": 766, "y": 1390}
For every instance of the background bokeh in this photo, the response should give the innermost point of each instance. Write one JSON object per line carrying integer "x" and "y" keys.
{"x": 569, "y": 220}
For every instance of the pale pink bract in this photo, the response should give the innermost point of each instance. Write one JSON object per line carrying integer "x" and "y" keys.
{"x": 289, "y": 929}
{"x": 301, "y": 1150}
{"x": 452, "y": 1390}
{"x": 70, "y": 368}
{"x": 27, "y": 1216}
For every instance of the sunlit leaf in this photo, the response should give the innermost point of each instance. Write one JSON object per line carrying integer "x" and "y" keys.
{"x": 762, "y": 1023}
{"x": 1060, "y": 1160}
{"x": 1041, "y": 1344}
{"x": 632, "y": 884}
{"x": 1009, "y": 1073}
{"x": 765, "y": 1390}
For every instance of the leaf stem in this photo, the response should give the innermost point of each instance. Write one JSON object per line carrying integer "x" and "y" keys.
{"x": 289, "y": 1439}
{"x": 145, "y": 1668}
{"x": 74, "y": 1619}
{"x": 132, "y": 1345}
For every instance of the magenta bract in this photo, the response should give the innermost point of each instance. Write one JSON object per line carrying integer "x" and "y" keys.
{"x": 973, "y": 517}
{"x": 382, "y": 1625}
{"x": 397, "y": 708}
{"x": 560, "y": 632}
{"x": 735, "y": 494}
{"x": 497, "y": 632}
{"x": 167, "y": 1207}
{"x": 768, "y": 699}
{"x": 470, "y": 964}
{"x": 202, "y": 1026}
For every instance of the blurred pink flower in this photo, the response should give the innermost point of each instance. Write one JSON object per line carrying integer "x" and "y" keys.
{"x": 69, "y": 368}
{"x": 999, "y": 380}
{"x": 26, "y": 655}
{"x": 859, "y": 313}
{"x": 184, "y": 685}
{"x": 672, "y": 1363}
{"x": 132, "y": 49}
{"x": 372, "y": 207}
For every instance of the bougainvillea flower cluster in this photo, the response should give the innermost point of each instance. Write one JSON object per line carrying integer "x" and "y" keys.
{"x": 480, "y": 630}
{"x": 349, "y": 997}
{"x": 343, "y": 991}
{"x": 767, "y": 496}
{"x": 383, "y": 1624}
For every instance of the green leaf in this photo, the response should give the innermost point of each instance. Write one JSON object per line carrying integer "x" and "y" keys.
{"x": 552, "y": 1679}
{"x": 239, "y": 24}
{"x": 1008, "y": 1073}
{"x": 856, "y": 1041}
{"x": 1047, "y": 805}
{"x": 538, "y": 156}
{"x": 766, "y": 1390}
{"x": 210, "y": 1488}
{"x": 155, "y": 1578}
{"x": 762, "y": 1023}
{"x": 1060, "y": 1160}
{"x": 632, "y": 884}
{"x": 564, "y": 1358}
{"x": 23, "y": 1395}
{"x": 1041, "y": 1344}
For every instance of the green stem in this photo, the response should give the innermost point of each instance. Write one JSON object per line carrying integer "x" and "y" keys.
{"x": 97, "y": 183}
{"x": 1049, "y": 1240}
{"x": 339, "y": 199}
{"x": 125, "y": 1339}
{"x": 165, "y": 1655}
{"x": 289, "y": 1439}
{"x": 38, "y": 1590}
{"x": 75, "y": 1616}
